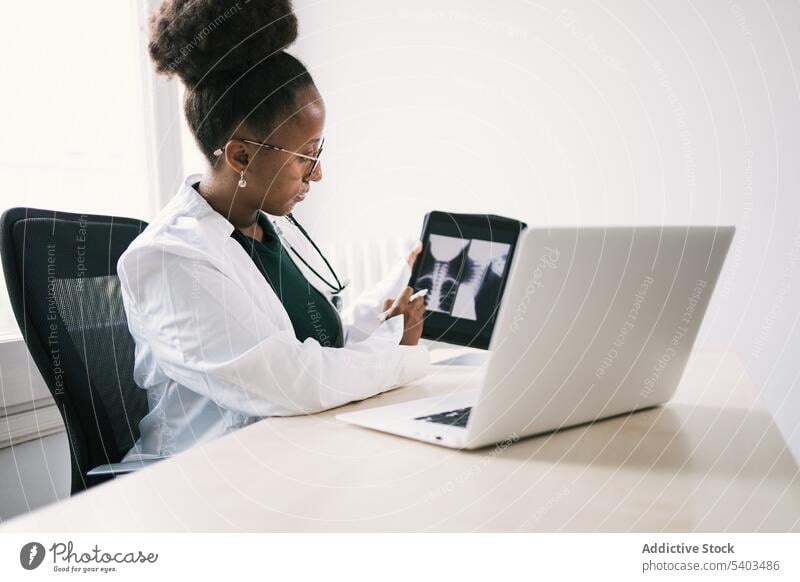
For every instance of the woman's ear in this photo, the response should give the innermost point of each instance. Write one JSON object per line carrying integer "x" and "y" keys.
{"x": 236, "y": 155}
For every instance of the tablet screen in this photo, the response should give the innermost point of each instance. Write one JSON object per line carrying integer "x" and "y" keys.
{"x": 464, "y": 265}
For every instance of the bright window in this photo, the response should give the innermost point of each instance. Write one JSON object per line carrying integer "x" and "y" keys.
{"x": 72, "y": 105}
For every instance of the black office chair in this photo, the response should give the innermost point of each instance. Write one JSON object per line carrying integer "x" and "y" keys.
{"x": 61, "y": 274}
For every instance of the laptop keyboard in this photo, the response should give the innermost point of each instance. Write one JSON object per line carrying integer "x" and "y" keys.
{"x": 453, "y": 417}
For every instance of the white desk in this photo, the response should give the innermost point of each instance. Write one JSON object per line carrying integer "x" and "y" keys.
{"x": 711, "y": 460}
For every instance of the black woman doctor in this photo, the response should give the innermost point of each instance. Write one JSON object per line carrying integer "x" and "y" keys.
{"x": 232, "y": 323}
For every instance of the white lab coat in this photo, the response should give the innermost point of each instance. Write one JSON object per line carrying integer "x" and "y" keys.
{"x": 215, "y": 348}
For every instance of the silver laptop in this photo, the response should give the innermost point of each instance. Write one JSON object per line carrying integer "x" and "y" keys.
{"x": 594, "y": 322}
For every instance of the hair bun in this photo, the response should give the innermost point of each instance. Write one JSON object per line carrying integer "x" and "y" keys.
{"x": 203, "y": 40}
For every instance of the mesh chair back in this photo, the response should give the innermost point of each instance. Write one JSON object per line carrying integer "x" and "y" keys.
{"x": 61, "y": 274}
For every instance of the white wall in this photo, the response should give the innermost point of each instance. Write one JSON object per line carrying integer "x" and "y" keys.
{"x": 610, "y": 112}
{"x": 34, "y": 474}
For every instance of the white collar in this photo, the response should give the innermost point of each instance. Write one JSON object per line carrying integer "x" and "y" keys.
{"x": 192, "y": 203}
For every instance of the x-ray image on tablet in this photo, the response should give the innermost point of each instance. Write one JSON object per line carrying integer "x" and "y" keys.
{"x": 462, "y": 276}
{"x": 464, "y": 265}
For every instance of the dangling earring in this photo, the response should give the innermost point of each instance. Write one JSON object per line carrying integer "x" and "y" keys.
{"x": 242, "y": 181}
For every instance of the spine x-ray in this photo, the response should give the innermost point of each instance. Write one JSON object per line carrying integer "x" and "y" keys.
{"x": 462, "y": 276}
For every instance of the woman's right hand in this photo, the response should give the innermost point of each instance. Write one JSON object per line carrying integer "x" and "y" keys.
{"x": 412, "y": 312}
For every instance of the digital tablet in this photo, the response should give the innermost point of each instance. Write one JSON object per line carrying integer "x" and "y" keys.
{"x": 464, "y": 265}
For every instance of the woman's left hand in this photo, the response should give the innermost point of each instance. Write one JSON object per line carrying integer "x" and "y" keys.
{"x": 412, "y": 256}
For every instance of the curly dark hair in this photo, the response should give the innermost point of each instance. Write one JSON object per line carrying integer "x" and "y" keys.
{"x": 230, "y": 56}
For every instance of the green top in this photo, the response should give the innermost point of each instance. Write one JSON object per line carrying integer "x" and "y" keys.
{"x": 311, "y": 313}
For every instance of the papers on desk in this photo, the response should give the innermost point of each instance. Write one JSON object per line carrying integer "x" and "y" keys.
{"x": 458, "y": 357}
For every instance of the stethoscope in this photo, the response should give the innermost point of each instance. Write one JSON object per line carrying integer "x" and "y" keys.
{"x": 335, "y": 289}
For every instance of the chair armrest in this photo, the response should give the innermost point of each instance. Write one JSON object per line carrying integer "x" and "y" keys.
{"x": 121, "y": 468}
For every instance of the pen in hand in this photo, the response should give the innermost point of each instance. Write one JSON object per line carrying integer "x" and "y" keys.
{"x": 385, "y": 315}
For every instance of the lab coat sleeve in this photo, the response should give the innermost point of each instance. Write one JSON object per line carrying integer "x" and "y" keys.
{"x": 208, "y": 335}
{"x": 360, "y": 319}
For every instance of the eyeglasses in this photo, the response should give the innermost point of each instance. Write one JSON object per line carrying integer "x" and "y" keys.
{"x": 314, "y": 159}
